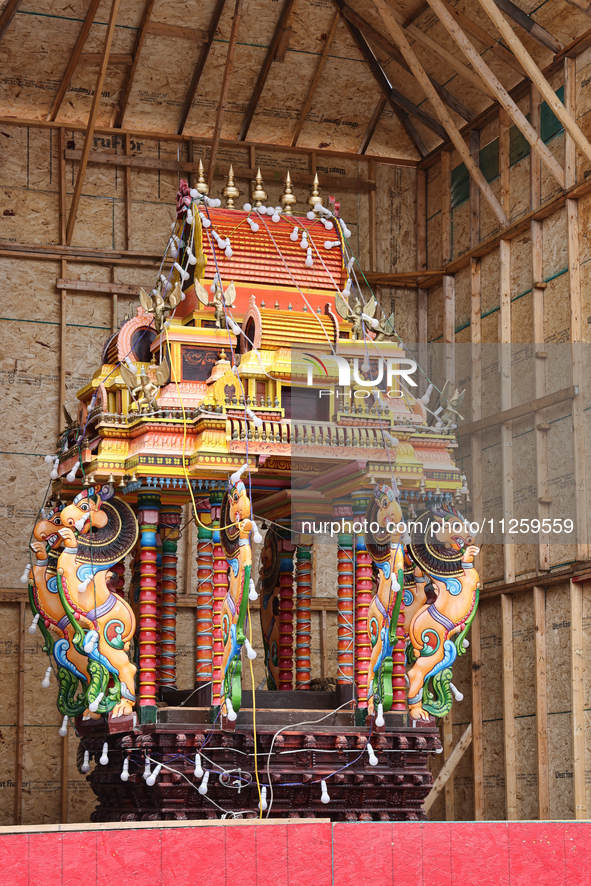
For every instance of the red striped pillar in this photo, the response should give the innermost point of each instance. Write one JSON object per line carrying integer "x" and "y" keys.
{"x": 170, "y": 520}
{"x": 363, "y": 598}
{"x": 303, "y": 616}
{"x": 204, "y": 625}
{"x": 148, "y": 507}
{"x": 158, "y": 608}
{"x": 220, "y": 589}
{"x": 286, "y": 617}
{"x": 345, "y": 596}
{"x": 398, "y": 654}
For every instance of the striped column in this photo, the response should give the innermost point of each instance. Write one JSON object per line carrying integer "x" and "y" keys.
{"x": 363, "y": 598}
{"x": 286, "y": 617}
{"x": 345, "y": 595}
{"x": 399, "y": 660}
{"x": 148, "y": 507}
{"x": 220, "y": 589}
{"x": 170, "y": 519}
{"x": 303, "y": 616}
{"x": 158, "y": 608}
{"x": 204, "y": 625}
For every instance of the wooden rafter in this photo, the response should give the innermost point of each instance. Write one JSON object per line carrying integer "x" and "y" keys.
{"x": 219, "y": 120}
{"x": 203, "y": 55}
{"x": 393, "y": 95}
{"x": 527, "y": 24}
{"x": 495, "y": 47}
{"x": 73, "y": 61}
{"x": 581, "y": 5}
{"x": 398, "y": 35}
{"x": 94, "y": 58}
{"x": 137, "y": 48}
{"x": 7, "y": 15}
{"x": 264, "y": 72}
{"x": 91, "y": 121}
{"x": 503, "y": 97}
{"x": 536, "y": 76}
{"x": 371, "y": 126}
{"x": 315, "y": 81}
{"x": 369, "y": 31}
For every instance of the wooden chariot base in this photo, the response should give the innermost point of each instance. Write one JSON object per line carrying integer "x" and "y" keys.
{"x": 291, "y": 762}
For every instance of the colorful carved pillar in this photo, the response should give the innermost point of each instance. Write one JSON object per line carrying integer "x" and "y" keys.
{"x": 345, "y": 561}
{"x": 286, "y": 616}
{"x": 158, "y": 608}
{"x": 170, "y": 519}
{"x": 204, "y": 626}
{"x": 363, "y": 598}
{"x": 303, "y": 615}
{"x": 399, "y": 659}
{"x": 148, "y": 507}
{"x": 220, "y": 589}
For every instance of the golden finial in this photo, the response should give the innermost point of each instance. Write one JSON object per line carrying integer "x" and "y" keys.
{"x": 230, "y": 192}
{"x": 314, "y": 197}
{"x": 288, "y": 198}
{"x": 259, "y": 195}
{"x": 201, "y": 185}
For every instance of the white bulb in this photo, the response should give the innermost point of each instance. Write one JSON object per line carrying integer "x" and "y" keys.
{"x": 33, "y": 625}
{"x": 395, "y": 586}
{"x": 438, "y": 750}
{"x": 64, "y": 727}
{"x": 256, "y": 534}
{"x": 105, "y": 754}
{"x": 294, "y": 234}
{"x": 366, "y": 365}
{"x": 94, "y": 705}
{"x": 198, "y": 773}
{"x": 263, "y": 210}
{"x": 459, "y": 696}
{"x": 275, "y": 217}
{"x": 151, "y": 780}
{"x": 189, "y": 218}
{"x": 324, "y": 798}
{"x": 231, "y": 712}
{"x": 252, "y": 591}
{"x": 194, "y": 193}
{"x": 427, "y": 395}
{"x": 174, "y": 251}
{"x": 146, "y": 774}
{"x": 228, "y": 252}
{"x": 406, "y": 539}
{"x": 48, "y": 459}
{"x": 373, "y": 760}
{"x": 86, "y": 764}
{"x": 125, "y": 770}
{"x": 203, "y": 786}
{"x": 318, "y": 207}
{"x": 258, "y": 422}
{"x": 251, "y": 653}
{"x": 328, "y": 244}
{"x": 247, "y": 207}
{"x": 279, "y": 210}
{"x": 304, "y": 243}
{"x": 380, "y": 717}
{"x": 217, "y": 202}
{"x": 309, "y": 261}
{"x": 233, "y": 326}
{"x": 311, "y": 215}
{"x": 71, "y": 477}
{"x": 24, "y": 579}
{"x": 254, "y": 227}
{"x": 263, "y": 800}
{"x": 192, "y": 259}
{"x": 54, "y": 474}
{"x": 46, "y": 678}
{"x": 465, "y": 643}
{"x": 328, "y": 225}
{"x": 206, "y": 223}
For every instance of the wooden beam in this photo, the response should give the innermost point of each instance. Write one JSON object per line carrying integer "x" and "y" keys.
{"x": 578, "y": 699}
{"x": 581, "y": 5}
{"x": 219, "y": 119}
{"x": 73, "y": 60}
{"x": 527, "y": 24}
{"x": 19, "y": 749}
{"x": 264, "y": 72}
{"x": 197, "y": 35}
{"x": 92, "y": 121}
{"x": 92, "y": 286}
{"x": 395, "y": 55}
{"x": 518, "y": 411}
{"x": 63, "y": 206}
{"x": 500, "y": 93}
{"x": 447, "y": 735}
{"x": 63, "y": 351}
{"x": 451, "y": 128}
{"x": 371, "y": 126}
{"x": 448, "y": 57}
{"x": 536, "y": 76}
{"x": 94, "y": 58}
{"x": 65, "y": 765}
{"x": 7, "y": 15}
{"x": 509, "y": 708}
{"x": 483, "y": 37}
{"x": 422, "y": 294}
{"x": 128, "y": 197}
{"x": 448, "y": 768}
{"x": 315, "y": 80}
{"x": 203, "y": 56}
{"x": 539, "y": 596}
{"x": 477, "y": 733}
{"x": 474, "y": 192}
{"x": 140, "y": 38}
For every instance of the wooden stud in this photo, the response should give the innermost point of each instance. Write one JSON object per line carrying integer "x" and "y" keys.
{"x": 315, "y": 80}
{"x": 219, "y": 120}
{"x": 536, "y": 76}
{"x": 140, "y": 38}
{"x": 92, "y": 121}
{"x": 448, "y": 747}
{"x": 73, "y": 60}
{"x": 64, "y": 772}
{"x": 509, "y": 708}
{"x": 504, "y": 160}
{"x": 62, "y": 363}
{"x": 197, "y": 35}
{"x": 570, "y": 151}
{"x": 451, "y": 128}
{"x": 527, "y": 24}
{"x": 422, "y": 294}
{"x": 20, "y": 719}
{"x": 128, "y": 197}
{"x": 539, "y": 598}
{"x": 483, "y": 37}
{"x": 7, "y": 15}
{"x": 477, "y": 735}
{"x": 578, "y": 699}
{"x": 203, "y": 56}
{"x": 63, "y": 207}
{"x": 371, "y": 126}
{"x": 373, "y": 222}
{"x": 446, "y": 234}
{"x": 474, "y": 192}
{"x": 116, "y": 58}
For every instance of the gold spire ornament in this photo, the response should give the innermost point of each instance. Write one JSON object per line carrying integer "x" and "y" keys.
{"x": 201, "y": 185}
{"x": 288, "y": 198}
{"x": 314, "y": 197}
{"x": 258, "y": 194}
{"x": 230, "y": 192}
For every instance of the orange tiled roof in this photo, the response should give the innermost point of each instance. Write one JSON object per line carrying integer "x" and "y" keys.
{"x": 257, "y": 259}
